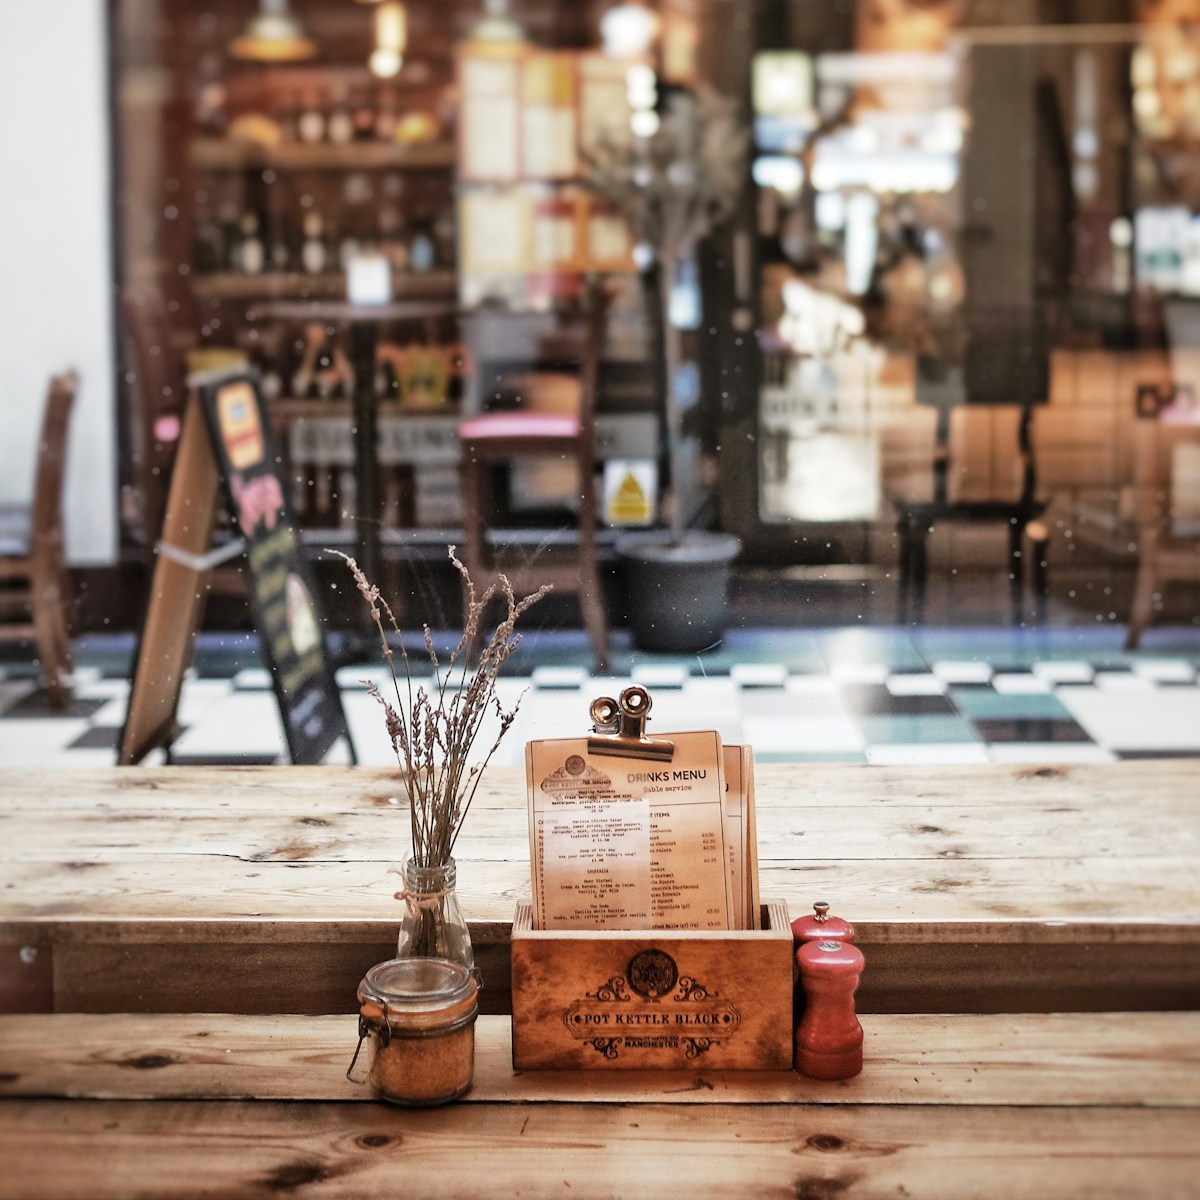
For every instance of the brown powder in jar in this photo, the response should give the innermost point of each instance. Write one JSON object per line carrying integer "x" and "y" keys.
{"x": 425, "y": 1070}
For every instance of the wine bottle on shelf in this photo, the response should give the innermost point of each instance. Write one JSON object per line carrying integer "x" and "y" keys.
{"x": 281, "y": 249}
{"x": 422, "y": 254}
{"x": 209, "y": 247}
{"x": 252, "y": 254}
{"x": 310, "y": 122}
{"x": 314, "y": 255}
{"x": 340, "y": 126}
{"x": 386, "y": 116}
{"x": 363, "y": 118}
{"x": 231, "y": 236}
{"x": 391, "y": 238}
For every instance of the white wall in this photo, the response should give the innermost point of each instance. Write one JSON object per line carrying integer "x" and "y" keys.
{"x": 55, "y": 256}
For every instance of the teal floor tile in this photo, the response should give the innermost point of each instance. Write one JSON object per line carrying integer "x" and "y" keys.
{"x": 915, "y": 730}
{"x": 986, "y": 703}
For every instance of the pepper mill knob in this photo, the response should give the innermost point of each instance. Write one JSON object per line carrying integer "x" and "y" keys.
{"x": 829, "y": 1038}
{"x": 821, "y": 925}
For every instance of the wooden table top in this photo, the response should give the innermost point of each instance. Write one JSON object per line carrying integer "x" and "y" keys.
{"x": 157, "y": 926}
{"x": 1053, "y": 1105}
{"x": 1072, "y": 886}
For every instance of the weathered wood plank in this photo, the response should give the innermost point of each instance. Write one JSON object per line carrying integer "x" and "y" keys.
{"x": 962, "y": 881}
{"x": 98, "y": 1149}
{"x": 1137, "y": 891}
{"x": 1150, "y": 1059}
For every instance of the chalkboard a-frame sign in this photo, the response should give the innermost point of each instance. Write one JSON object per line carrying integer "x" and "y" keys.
{"x": 227, "y": 437}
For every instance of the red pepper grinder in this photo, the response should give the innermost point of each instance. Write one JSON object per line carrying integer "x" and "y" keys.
{"x": 829, "y": 1039}
{"x": 821, "y": 926}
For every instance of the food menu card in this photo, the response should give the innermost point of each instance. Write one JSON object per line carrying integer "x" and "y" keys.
{"x": 621, "y": 842}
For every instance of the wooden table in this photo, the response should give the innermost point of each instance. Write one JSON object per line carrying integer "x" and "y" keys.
{"x": 179, "y": 950}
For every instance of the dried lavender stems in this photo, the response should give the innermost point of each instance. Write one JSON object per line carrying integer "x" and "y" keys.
{"x": 432, "y": 734}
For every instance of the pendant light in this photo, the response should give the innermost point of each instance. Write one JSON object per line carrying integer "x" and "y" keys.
{"x": 391, "y": 39}
{"x": 273, "y": 36}
{"x": 628, "y": 30}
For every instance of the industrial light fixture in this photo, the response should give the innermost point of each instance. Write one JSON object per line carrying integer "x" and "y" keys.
{"x": 496, "y": 26}
{"x": 628, "y": 30}
{"x": 273, "y": 35}
{"x": 391, "y": 40}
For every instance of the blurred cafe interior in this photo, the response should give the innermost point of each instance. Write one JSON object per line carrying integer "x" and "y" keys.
{"x": 897, "y": 301}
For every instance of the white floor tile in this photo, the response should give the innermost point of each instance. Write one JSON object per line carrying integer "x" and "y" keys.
{"x": 1163, "y": 719}
{"x": 1165, "y": 670}
{"x": 252, "y": 679}
{"x": 859, "y": 672}
{"x": 758, "y": 675}
{"x": 563, "y": 678}
{"x": 915, "y": 685}
{"x": 1049, "y": 752}
{"x": 1122, "y": 681}
{"x": 963, "y": 672}
{"x": 239, "y": 723}
{"x": 898, "y": 754}
{"x": 1014, "y": 683}
{"x": 1065, "y": 671}
{"x": 803, "y": 734}
{"x": 651, "y": 677}
{"x": 37, "y": 743}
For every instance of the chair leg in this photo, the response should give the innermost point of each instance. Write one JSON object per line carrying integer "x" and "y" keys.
{"x": 591, "y": 602}
{"x": 52, "y": 643}
{"x": 1141, "y": 610}
{"x": 1039, "y": 546}
{"x": 1016, "y": 570}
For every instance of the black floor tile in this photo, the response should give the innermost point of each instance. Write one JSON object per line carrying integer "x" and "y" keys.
{"x": 874, "y": 700}
{"x": 97, "y": 737}
{"x": 1029, "y": 729}
{"x": 38, "y": 705}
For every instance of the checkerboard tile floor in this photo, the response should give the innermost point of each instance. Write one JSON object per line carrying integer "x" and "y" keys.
{"x": 878, "y": 695}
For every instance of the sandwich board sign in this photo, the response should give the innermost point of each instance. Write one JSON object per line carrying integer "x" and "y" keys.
{"x": 226, "y": 440}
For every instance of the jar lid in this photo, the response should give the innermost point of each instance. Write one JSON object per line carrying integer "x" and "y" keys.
{"x": 412, "y": 988}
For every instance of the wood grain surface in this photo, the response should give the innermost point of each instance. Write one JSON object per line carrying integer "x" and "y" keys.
{"x": 972, "y": 888}
{"x": 61, "y": 1150}
{"x": 1031, "y": 1060}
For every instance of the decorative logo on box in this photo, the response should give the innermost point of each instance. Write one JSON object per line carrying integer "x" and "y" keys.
{"x": 652, "y": 1007}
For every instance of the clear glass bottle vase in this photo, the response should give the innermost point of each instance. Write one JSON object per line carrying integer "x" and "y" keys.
{"x": 433, "y": 925}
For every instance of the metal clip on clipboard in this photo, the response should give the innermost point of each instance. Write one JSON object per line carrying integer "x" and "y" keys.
{"x": 619, "y": 727}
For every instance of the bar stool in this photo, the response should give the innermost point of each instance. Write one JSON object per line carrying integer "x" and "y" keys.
{"x": 494, "y": 440}
{"x": 33, "y": 573}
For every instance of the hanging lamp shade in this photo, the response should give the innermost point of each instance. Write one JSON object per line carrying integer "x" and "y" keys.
{"x": 273, "y": 35}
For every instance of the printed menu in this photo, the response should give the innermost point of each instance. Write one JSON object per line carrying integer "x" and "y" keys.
{"x": 621, "y": 842}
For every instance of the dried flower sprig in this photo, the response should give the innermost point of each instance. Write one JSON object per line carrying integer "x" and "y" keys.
{"x": 433, "y": 731}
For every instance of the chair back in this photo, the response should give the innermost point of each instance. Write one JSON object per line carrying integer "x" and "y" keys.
{"x": 986, "y": 462}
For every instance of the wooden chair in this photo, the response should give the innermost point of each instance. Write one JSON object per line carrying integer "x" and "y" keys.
{"x": 554, "y": 434}
{"x": 988, "y": 479}
{"x": 1168, "y": 541}
{"x": 33, "y": 574}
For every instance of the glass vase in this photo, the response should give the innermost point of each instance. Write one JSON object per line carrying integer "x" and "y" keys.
{"x": 433, "y": 924}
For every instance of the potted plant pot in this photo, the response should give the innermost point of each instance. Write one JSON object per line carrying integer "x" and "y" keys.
{"x": 677, "y": 588}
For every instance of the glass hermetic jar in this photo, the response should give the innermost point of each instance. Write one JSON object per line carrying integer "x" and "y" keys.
{"x": 419, "y": 1014}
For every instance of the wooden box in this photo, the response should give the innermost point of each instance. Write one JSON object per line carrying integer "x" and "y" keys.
{"x": 650, "y": 999}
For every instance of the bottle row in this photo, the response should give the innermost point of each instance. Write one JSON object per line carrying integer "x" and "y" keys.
{"x": 247, "y": 243}
{"x": 316, "y": 365}
{"x": 338, "y": 117}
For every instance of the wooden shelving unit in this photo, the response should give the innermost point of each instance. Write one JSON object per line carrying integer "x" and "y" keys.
{"x": 294, "y": 285}
{"x": 216, "y": 154}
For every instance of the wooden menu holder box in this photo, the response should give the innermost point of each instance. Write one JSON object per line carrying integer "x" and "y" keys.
{"x": 659, "y": 1000}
